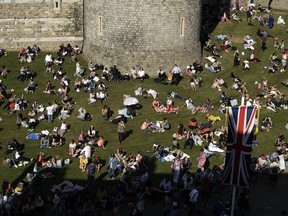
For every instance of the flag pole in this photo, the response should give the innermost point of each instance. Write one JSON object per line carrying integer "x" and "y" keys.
{"x": 226, "y": 120}
{"x": 233, "y": 200}
{"x": 234, "y": 186}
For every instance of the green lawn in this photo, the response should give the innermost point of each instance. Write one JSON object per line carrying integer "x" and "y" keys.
{"x": 139, "y": 140}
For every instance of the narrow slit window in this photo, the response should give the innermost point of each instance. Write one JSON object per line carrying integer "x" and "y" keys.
{"x": 182, "y": 26}
{"x": 100, "y": 25}
{"x": 57, "y": 4}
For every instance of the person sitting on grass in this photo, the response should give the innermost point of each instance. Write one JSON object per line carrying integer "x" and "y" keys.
{"x": 181, "y": 132}
{"x": 9, "y": 162}
{"x": 280, "y": 141}
{"x": 48, "y": 59}
{"x": 57, "y": 140}
{"x": 31, "y": 86}
{"x": 155, "y": 104}
{"x": 101, "y": 142}
{"x": 4, "y": 71}
{"x": 99, "y": 163}
{"x": 41, "y": 162}
{"x": 106, "y": 112}
{"x": 101, "y": 95}
{"x": 72, "y": 147}
{"x": 266, "y": 124}
{"x": 83, "y": 163}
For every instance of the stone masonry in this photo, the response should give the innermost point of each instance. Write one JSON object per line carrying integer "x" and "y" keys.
{"x": 26, "y": 22}
{"x": 142, "y": 33}
{"x": 279, "y": 4}
{"x": 126, "y": 33}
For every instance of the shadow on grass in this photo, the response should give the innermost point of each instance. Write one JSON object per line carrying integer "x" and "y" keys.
{"x": 156, "y": 197}
{"x": 211, "y": 16}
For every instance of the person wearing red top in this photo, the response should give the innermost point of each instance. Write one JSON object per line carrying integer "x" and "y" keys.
{"x": 155, "y": 103}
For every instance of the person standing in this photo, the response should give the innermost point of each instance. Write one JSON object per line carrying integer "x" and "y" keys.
{"x": 176, "y": 75}
{"x": 281, "y": 161}
{"x": 90, "y": 170}
{"x": 176, "y": 168}
{"x": 237, "y": 3}
{"x": 50, "y": 112}
{"x": 193, "y": 200}
{"x": 121, "y": 131}
{"x": 236, "y": 59}
{"x": 264, "y": 41}
{"x": 112, "y": 164}
{"x": 269, "y": 4}
{"x": 271, "y": 21}
{"x": 201, "y": 159}
{"x": 79, "y": 71}
{"x": 86, "y": 151}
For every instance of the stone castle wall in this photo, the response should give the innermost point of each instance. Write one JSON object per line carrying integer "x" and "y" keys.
{"x": 278, "y": 4}
{"x": 26, "y": 22}
{"x": 144, "y": 33}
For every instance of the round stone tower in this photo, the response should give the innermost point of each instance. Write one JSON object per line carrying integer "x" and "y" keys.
{"x": 146, "y": 33}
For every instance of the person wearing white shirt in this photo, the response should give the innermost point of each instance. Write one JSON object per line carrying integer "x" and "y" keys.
{"x": 72, "y": 147}
{"x": 210, "y": 58}
{"x": 79, "y": 71}
{"x": 133, "y": 73}
{"x": 189, "y": 103}
{"x": 101, "y": 96}
{"x": 50, "y": 112}
{"x": 106, "y": 74}
{"x": 214, "y": 148}
{"x": 92, "y": 98}
{"x": 141, "y": 74}
{"x": 63, "y": 129}
{"x": 153, "y": 93}
{"x": 176, "y": 75}
{"x": 176, "y": 69}
{"x": 48, "y": 58}
{"x": 246, "y": 64}
{"x": 91, "y": 66}
{"x": 86, "y": 151}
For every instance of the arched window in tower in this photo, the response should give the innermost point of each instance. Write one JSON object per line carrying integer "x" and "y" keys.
{"x": 100, "y": 25}
{"x": 182, "y": 26}
{"x": 57, "y": 4}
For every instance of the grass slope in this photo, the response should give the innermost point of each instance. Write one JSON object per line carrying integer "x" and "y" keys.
{"x": 140, "y": 140}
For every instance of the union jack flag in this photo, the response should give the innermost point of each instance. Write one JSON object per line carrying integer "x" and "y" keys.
{"x": 241, "y": 124}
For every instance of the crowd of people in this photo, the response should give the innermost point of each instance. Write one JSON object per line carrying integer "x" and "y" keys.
{"x": 135, "y": 186}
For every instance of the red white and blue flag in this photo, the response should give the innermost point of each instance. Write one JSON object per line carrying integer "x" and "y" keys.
{"x": 241, "y": 124}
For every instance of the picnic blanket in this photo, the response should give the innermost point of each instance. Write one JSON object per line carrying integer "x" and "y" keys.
{"x": 170, "y": 157}
{"x": 165, "y": 155}
{"x": 164, "y": 109}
